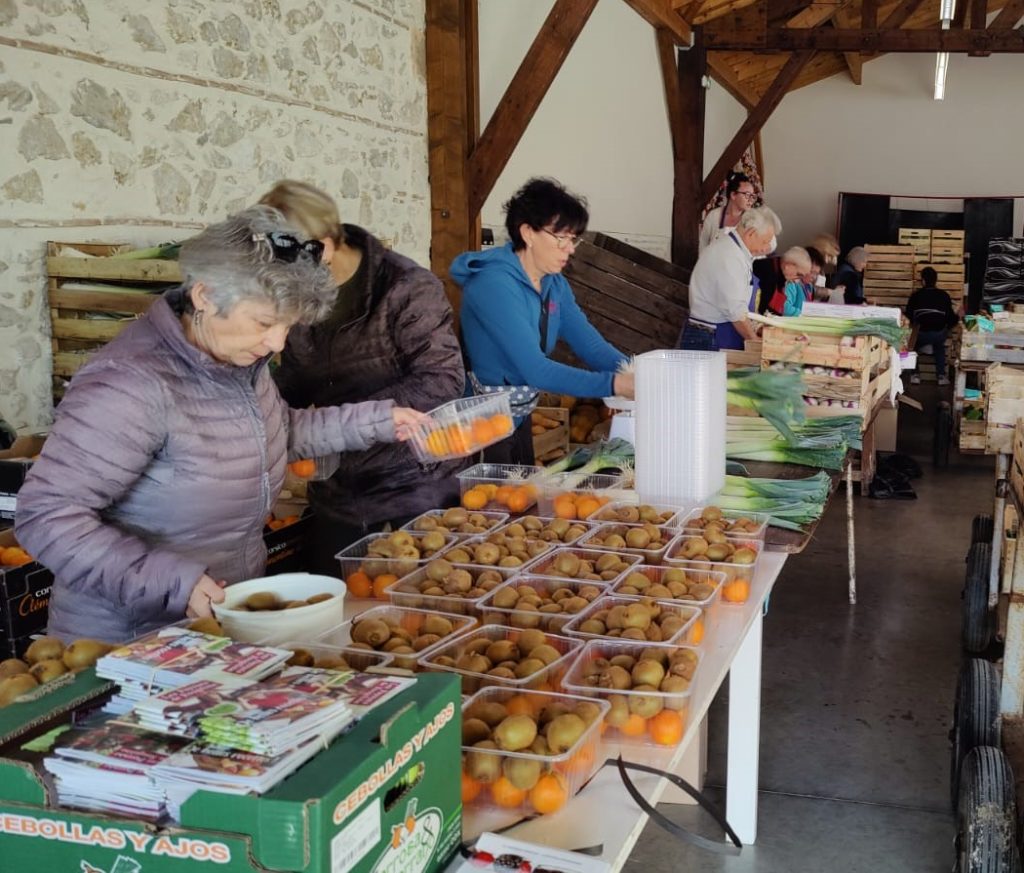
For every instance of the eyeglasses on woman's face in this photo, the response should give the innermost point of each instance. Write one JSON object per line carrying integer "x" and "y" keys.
{"x": 287, "y": 248}
{"x": 747, "y": 194}
{"x": 564, "y": 240}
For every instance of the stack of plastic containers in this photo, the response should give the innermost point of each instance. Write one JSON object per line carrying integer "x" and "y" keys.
{"x": 680, "y": 425}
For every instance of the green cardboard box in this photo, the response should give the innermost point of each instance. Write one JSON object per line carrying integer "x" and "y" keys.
{"x": 382, "y": 799}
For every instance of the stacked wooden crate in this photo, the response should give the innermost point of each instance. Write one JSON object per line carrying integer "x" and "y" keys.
{"x": 947, "y": 259}
{"x": 889, "y": 275}
{"x": 550, "y": 428}
{"x": 1004, "y": 404}
{"x": 93, "y": 297}
{"x": 919, "y": 239}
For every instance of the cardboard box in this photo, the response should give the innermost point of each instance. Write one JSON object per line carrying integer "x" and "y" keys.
{"x": 382, "y": 798}
{"x": 286, "y": 547}
{"x": 24, "y": 601}
{"x": 14, "y": 466}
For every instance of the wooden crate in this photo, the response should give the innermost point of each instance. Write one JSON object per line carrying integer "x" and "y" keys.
{"x": 856, "y": 353}
{"x": 1017, "y": 464}
{"x": 1000, "y": 347}
{"x": 1004, "y": 404}
{"x": 972, "y": 436}
{"x": 550, "y": 443}
{"x": 93, "y": 298}
{"x": 948, "y": 235}
{"x": 889, "y": 275}
{"x": 918, "y": 238}
{"x": 750, "y": 356}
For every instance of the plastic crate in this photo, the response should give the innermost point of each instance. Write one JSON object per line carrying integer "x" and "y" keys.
{"x": 545, "y": 586}
{"x": 738, "y": 576}
{"x": 487, "y": 521}
{"x": 504, "y": 487}
{"x": 561, "y": 496}
{"x": 468, "y": 548}
{"x": 546, "y": 679}
{"x": 410, "y": 620}
{"x": 671, "y": 516}
{"x": 564, "y": 774}
{"x": 462, "y": 427}
{"x": 578, "y": 527}
{"x": 693, "y": 522}
{"x": 545, "y": 566}
{"x": 660, "y": 734}
{"x": 691, "y": 632}
{"x": 407, "y": 591}
{"x": 649, "y": 555}
{"x": 356, "y": 558}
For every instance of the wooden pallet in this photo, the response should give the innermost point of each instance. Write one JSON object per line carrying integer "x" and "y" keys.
{"x": 114, "y": 293}
{"x": 1004, "y": 404}
{"x": 1017, "y": 464}
{"x": 853, "y": 353}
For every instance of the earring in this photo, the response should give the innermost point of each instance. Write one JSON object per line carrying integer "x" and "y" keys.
{"x": 197, "y": 318}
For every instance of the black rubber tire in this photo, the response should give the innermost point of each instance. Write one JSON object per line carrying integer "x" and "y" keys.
{"x": 986, "y": 814}
{"x": 975, "y": 624}
{"x": 976, "y": 719}
{"x": 943, "y": 434}
{"x": 982, "y": 529}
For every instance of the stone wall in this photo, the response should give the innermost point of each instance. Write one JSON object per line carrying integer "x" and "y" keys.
{"x": 129, "y": 122}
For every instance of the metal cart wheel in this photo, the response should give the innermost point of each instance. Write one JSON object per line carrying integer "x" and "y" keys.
{"x": 943, "y": 434}
{"x": 982, "y": 529}
{"x": 986, "y": 815}
{"x": 975, "y": 625}
{"x": 975, "y": 716}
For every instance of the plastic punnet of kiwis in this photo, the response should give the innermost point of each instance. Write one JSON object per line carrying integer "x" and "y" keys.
{"x": 383, "y": 634}
{"x": 592, "y": 567}
{"x": 667, "y": 583}
{"x": 45, "y": 660}
{"x": 707, "y": 548}
{"x": 642, "y": 620}
{"x": 644, "y": 513}
{"x": 712, "y": 516}
{"x": 441, "y": 578}
{"x": 269, "y": 601}
{"x": 557, "y": 531}
{"x": 457, "y": 521}
{"x": 664, "y": 673}
{"x": 540, "y": 603}
{"x": 325, "y": 660}
{"x": 517, "y": 657}
{"x": 496, "y": 550}
{"x": 642, "y": 537}
{"x": 413, "y": 546}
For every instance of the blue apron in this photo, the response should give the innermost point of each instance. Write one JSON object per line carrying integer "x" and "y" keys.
{"x": 726, "y": 335}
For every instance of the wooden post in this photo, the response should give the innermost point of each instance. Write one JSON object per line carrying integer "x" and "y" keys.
{"x": 682, "y": 74}
{"x": 452, "y": 119}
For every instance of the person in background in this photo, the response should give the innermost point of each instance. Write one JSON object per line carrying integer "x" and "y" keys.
{"x": 389, "y": 333}
{"x": 516, "y": 305}
{"x": 930, "y": 310}
{"x": 789, "y": 300}
{"x": 169, "y": 448}
{"x": 813, "y": 279}
{"x": 740, "y": 196}
{"x": 720, "y": 289}
{"x": 850, "y": 276}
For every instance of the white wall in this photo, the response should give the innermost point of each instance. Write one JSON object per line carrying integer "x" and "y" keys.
{"x": 602, "y": 128}
{"x": 888, "y": 136}
{"x": 130, "y": 122}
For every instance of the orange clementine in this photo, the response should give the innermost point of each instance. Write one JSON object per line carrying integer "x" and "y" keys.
{"x": 549, "y": 794}
{"x": 503, "y": 493}
{"x": 519, "y": 705}
{"x": 506, "y": 794}
{"x": 483, "y": 432}
{"x": 475, "y": 498}
{"x": 459, "y": 438}
{"x": 587, "y": 505}
{"x": 276, "y": 523}
{"x": 696, "y": 632}
{"x": 290, "y": 519}
{"x": 470, "y": 788}
{"x": 303, "y": 468}
{"x": 381, "y": 583}
{"x": 581, "y": 762}
{"x": 666, "y": 728}
{"x": 501, "y": 425}
{"x": 634, "y": 726}
{"x": 359, "y": 584}
{"x": 565, "y": 506}
{"x": 437, "y": 443}
{"x": 519, "y": 500}
{"x": 736, "y": 591}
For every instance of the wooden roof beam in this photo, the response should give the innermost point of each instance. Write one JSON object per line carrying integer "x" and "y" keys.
{"x": 754, "y": 122}
{"x": 869, "y": 14}
{"x": 868, "y": 41}
{"x": 904, "y": 9}
{"x": 722, "y": 73}
{"x": 517, "y": 106}
{"x": 815, "y": 14}
{"x": 662, "y": 13}
{"x": 1008, "y": 16}
{"x": 854, "y": 61}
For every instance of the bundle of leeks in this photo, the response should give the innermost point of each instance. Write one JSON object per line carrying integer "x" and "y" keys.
{"x": 775, "y": 395}
{"x": 615, "y": 455}
{"x": 788, "y": 503}
{"x": 819, "y": 442}
{"x": 887, "y": 329}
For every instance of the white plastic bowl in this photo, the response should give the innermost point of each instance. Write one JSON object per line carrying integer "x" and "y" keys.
{"x": 274, "y": 627}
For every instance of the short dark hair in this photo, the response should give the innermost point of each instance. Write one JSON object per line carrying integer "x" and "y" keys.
{"x": 732, "y": 184}
{"x": 544, "y": 203}
{"x": 929, "y": 277}
{"x": 817, "y": 258}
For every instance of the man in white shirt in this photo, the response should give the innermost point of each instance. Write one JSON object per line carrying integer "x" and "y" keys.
{"x": 720, "y": 291}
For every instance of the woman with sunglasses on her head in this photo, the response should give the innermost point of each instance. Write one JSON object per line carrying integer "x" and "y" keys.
{"x": 516, "y": 305}
{"x": 739, "y": 197}
{"x": 390, "y": 333}
{"x": 169, "y": 448}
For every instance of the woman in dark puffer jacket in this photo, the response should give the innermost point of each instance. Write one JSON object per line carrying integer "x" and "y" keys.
{"x": 170, "y": 447}
{"x": 389, "y": 334}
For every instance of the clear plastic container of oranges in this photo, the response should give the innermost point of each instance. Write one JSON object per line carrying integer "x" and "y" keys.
{"x": 566, "y": 496}
{"x": 502, "y": 487}
{"x": 462, "y": 427}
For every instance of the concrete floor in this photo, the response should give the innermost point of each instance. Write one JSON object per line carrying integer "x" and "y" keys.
{"x": 856, "y": 700}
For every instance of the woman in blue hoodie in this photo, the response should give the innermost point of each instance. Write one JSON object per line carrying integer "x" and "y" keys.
{"x": 516, "y": 305}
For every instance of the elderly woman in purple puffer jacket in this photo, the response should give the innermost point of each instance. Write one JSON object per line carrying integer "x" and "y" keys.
{"x": 170, "y": 447}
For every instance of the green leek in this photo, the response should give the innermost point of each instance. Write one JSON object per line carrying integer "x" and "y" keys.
{"x": 885, "y": 328}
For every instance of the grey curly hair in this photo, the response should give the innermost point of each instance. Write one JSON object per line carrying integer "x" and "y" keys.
{"x": 235, "y": 261}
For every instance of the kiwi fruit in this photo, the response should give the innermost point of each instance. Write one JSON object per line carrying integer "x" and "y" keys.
{"x": 372, "y": 631}
{"x": 48, "y": 670}
{"x": 589, "y": 712}
{"x": 481, "y": 766}
{"x": 619, "y": 714}
{"x": 84, "y": 653}
{"x": 301, "y": 658}
{"x": 546, "y": 653}
{"x": 566, "y": 564}
{"x": 523, "y": 773}
{"x": 563, "y": 732}
{"x": 425, "y": 641}
{"x": 647, "y": 673}
{"x": 502, "y": 650}
{"x": 454, "y": 517}
{"x": 438, "y": 569}
{"x": 506, "y": 598}
{"x": 14, "y": 686}
{"x": 637, "y": 538}
{"x": 319, "y": 598}
{"x": 207, "y": 625}
{"x": 44, "y": 649}
{"x": 458, "y": 555}
{"x": 332, "y": 662}
{"x": 516, "y": 732}
{"x": 262, "y": 601}
{"x": 436, "y": 624}
{"x": 12, "y": 667}
{"x": 474, "y": 730}
{"x": 645, "y": 705}
{"x": 530, "y": 639}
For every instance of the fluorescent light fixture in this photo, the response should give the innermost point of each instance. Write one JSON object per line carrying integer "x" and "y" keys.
{"x": 947, "y": 9}
{"x": 941, "y": 65}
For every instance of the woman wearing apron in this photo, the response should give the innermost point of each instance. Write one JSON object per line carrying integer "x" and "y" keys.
{"x": 740, "y": 196}
{"x": 516, "y": 305}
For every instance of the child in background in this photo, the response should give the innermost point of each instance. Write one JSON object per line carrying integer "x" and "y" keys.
{"x": 790, "y": 299}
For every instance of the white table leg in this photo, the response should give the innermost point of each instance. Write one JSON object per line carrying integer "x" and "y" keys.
{"x": 851, "y": 547}
{"x": 744, "y": 735}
